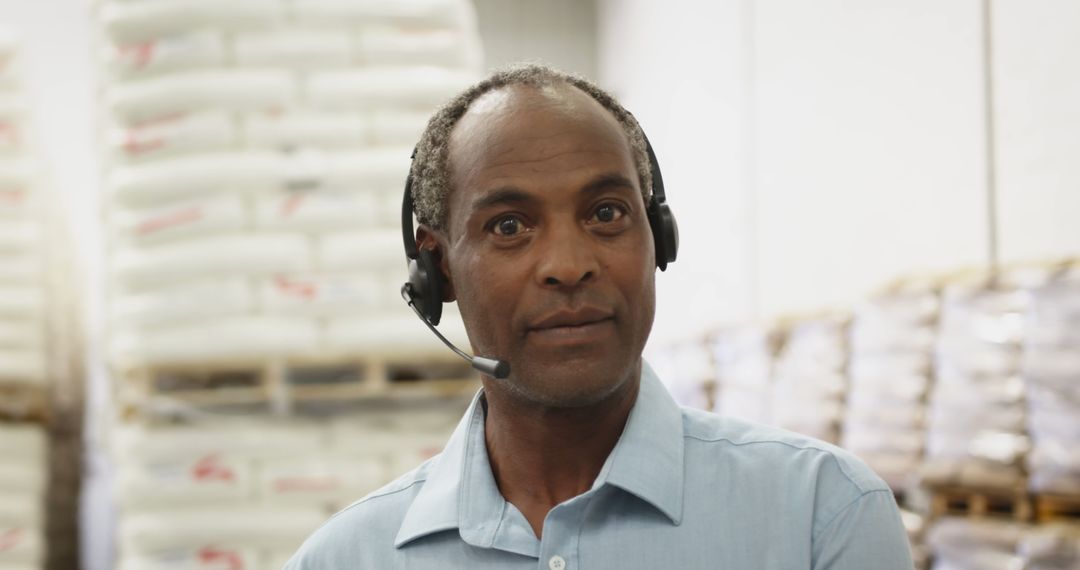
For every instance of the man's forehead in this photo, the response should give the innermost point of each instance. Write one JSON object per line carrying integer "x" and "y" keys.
{"x": 501, "y": 119}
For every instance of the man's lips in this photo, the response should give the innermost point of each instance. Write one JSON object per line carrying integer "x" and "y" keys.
{"x": 568, "y": 318}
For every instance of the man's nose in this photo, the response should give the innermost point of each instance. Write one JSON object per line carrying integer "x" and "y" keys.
{"x": 568, "y": 258}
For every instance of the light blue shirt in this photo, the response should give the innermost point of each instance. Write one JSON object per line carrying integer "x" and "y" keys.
{"x": 682, "y": 489}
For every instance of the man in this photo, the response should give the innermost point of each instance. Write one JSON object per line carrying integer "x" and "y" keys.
{"x": 530, "y": 189}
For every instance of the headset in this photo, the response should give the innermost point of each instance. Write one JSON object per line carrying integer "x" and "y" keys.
{"x": 423, "y": 292}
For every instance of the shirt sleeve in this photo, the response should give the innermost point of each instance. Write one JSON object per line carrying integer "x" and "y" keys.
{"x": 868, "y": 533}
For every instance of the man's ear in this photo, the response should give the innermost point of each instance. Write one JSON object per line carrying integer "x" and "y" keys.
{"x": 435, "y": 241}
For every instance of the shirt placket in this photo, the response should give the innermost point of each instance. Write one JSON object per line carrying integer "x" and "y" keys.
{"x": 562, "y": 533}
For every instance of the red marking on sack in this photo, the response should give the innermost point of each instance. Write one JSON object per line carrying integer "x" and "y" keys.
{"x": 9, "y": 132}
{"x": 290, "y": 484}
{"x": 305, "y": 290}
{"x": 210, "y": 555}
{"x": 10, "y": 539}
{"x": 134, "y": 146}
{"x": 137, "y": 55}
{"x": 12, "y": 197}
{"x": 172, "y": 219}
{"x": 209, "y": 468}
{"x": 291, "y": 205}
{"x": 157, "y": 121}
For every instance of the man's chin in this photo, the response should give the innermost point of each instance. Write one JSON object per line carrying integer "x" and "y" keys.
{"x": 569, "y": 384}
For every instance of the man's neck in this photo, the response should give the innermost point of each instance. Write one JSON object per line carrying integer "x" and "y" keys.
{"x": 542, "y": 456}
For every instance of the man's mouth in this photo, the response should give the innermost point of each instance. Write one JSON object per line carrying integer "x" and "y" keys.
{"x": 577, "y": 325}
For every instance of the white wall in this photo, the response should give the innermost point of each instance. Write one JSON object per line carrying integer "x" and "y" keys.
{"x": 816, "y": 150}
{"x": 679, "y": 66}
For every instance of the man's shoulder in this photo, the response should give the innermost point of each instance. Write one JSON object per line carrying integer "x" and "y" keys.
{"x": 348, "y": 536}
{"x": 768, "y": 448}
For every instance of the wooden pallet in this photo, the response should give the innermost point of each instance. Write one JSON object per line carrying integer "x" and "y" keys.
{"x": 1052, "y": 508}
{"x": 282, "y": 385}
{"x": 1013, "y": 504}
{"x": 24, "y": 402}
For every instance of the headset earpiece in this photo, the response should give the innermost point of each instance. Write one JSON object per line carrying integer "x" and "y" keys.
{"x": 426, "y": 286}
{"x": 665, "y": 230}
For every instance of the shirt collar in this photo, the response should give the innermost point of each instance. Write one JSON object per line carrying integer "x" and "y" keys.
{"x": 460, "y": 491}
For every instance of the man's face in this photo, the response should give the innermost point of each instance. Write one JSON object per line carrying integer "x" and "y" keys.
{"x": 548, "y": 249}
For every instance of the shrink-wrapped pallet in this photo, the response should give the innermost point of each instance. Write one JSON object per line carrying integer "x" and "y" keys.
{"x": 976, "y": 422}
{"x": 808, "y": 387}
{"x": 1051, "y": 367}
{"x": 743, "y": 358}
{"x": 889, "y": 374}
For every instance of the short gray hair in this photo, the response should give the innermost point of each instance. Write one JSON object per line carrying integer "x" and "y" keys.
{"x": 430, "y": 169}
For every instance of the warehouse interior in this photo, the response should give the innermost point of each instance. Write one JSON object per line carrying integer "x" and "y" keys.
{"x": 203, "y": 350}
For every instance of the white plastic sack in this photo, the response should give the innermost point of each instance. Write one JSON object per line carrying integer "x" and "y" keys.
{"x": 212, "y": 479}
{"x": 319, "y": 480}
{"x": 23, "y": 364}
{"x": 21, "y": 333}
{"x": 248, "y": 438}
{"x": 139, "y": 21}
{"x": 21, "y": 510}
{"x": 317, "y": 211}
{"x": 18, "y": 204}
{"x": 304, "y": 49}
{"x": 220, "y": 339}
{"x": 167, "y": 54}
{"x": 326, "y": 294}
{"x": 236, "y": 254}
{"x": 372, "y": 250}
{"x": 222, "y": 89}
{"x": 19, "y": 235}
{"x": 414, "y": 13}
{"x": 17, "y": 174}
{"x": 395, "y": 46}
{"x": 401, "y": 87}
{"x": 373, "y": 171}
{"x": 26, "y": 478}
{"x": 203, "y": 299}
{"x": 27, "y": 302}
{"x": 20, "y": 269}
{"x": 203, "y": 217}
{"x": 287, "y": 130}
{"x": 213, "y": 556}
{"x": 398, "y": 333}
{"x": 186, "y": 177}
{"x": 23, "y": 443}
{"x": 175, "y": 135}
{"x": 21, "y": 545}
{"x": 147, "y": 533}
{"x": 393, "y": 127}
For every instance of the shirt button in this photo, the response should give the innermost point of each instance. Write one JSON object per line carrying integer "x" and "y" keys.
{"x": 556, "y": 563}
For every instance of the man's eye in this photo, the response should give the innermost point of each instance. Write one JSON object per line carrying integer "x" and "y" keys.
{"x": 608, "y": 213}
{"x": 507, "y": 226}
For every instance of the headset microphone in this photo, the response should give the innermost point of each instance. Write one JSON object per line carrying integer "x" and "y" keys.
{"x": 498, "y": 369}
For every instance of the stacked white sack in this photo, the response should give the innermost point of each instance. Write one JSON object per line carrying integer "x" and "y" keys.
{"x": 253, "y": 490}
{"x": 889, "y": 371}
{"x": 976, "y": 425}
{"x": 1051, "y": 369}
{"x": 23, "y": 475}
{"x": 257, "y": 152}
{"x": 743, "y": 359}
{"x": 975, "y": 543}
{"x": 809, "y": 381}
{"x": 23, "y": 297}
{"x": 1054, "y": 546}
